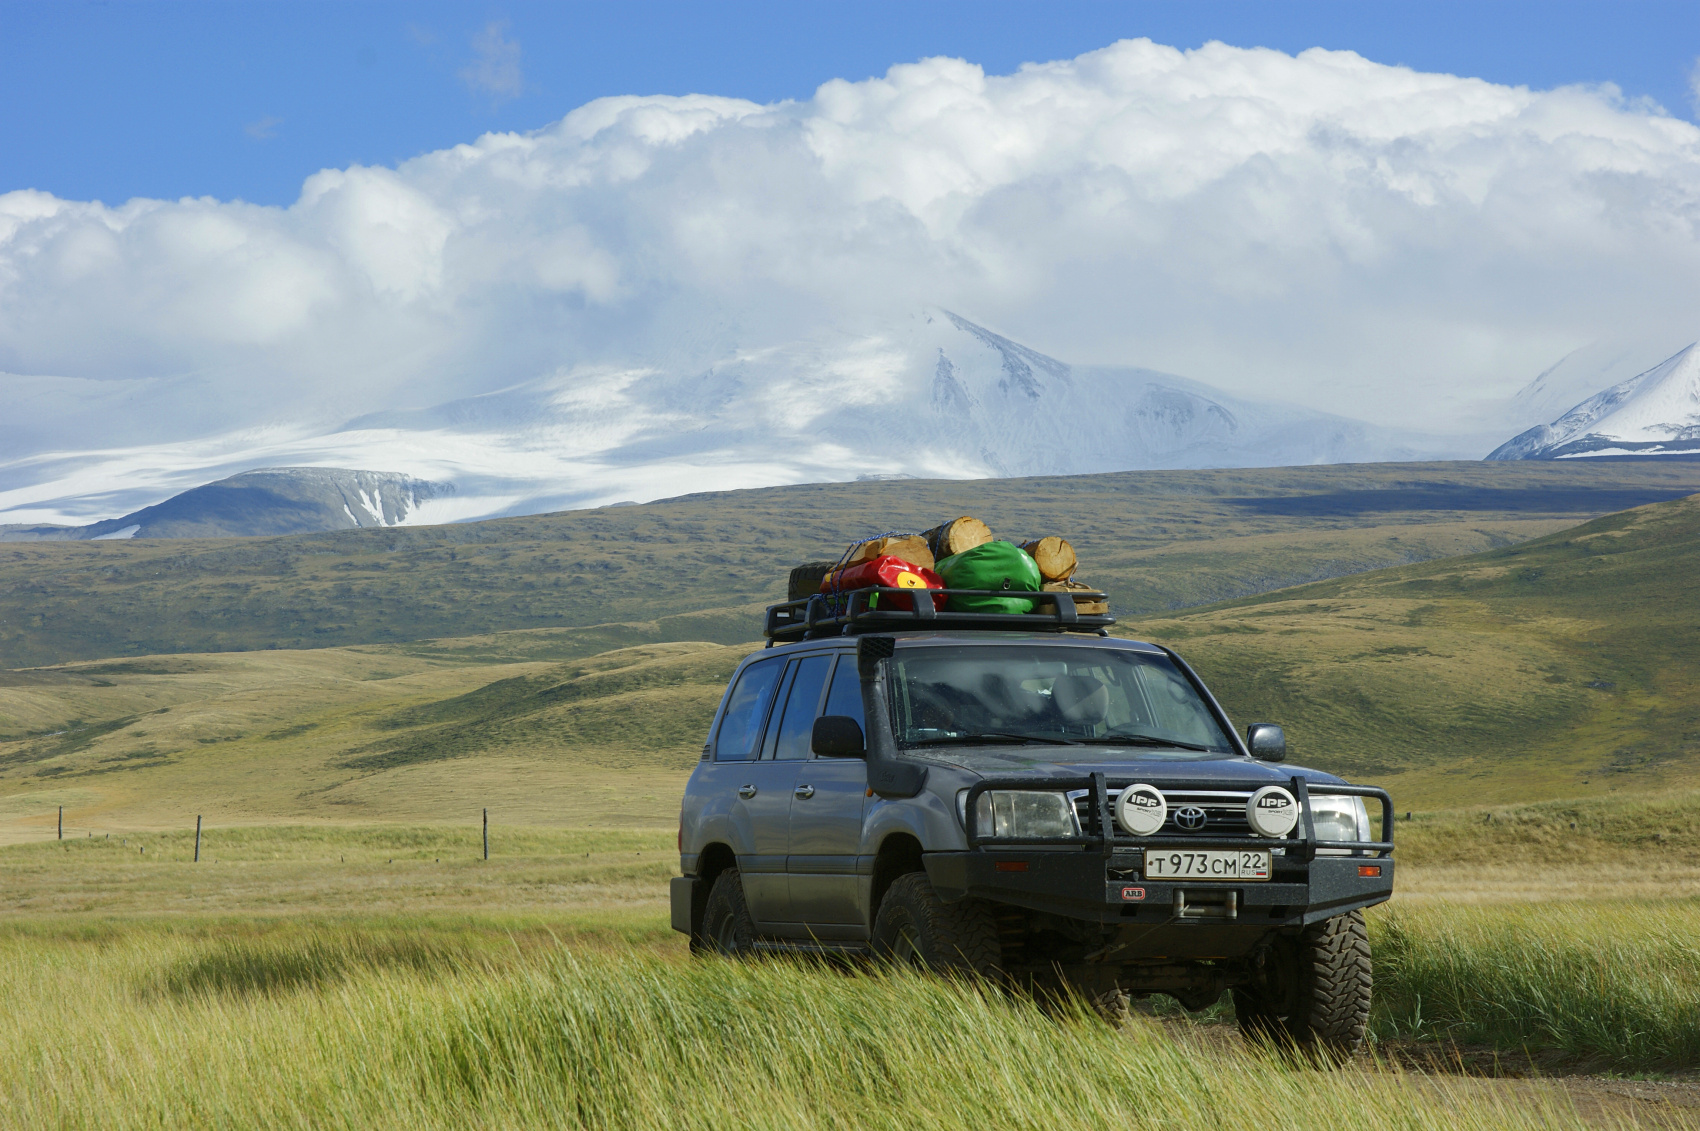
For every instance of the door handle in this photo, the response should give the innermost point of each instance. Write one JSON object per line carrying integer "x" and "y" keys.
{"x": 746, "y": 791}
{"x": 805, "y": 791}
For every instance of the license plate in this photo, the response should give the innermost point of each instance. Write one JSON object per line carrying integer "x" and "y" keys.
{"x": 1206, "y": 865}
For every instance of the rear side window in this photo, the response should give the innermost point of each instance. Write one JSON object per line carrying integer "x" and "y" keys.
{"x": 798, "y": 722}
{"x": 845, "y": 698}
{"x": 746, "y": 710}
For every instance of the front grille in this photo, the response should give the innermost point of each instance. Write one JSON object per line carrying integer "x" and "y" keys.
{"x": 1224, "y": 811}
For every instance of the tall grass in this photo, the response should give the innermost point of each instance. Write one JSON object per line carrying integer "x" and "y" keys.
{"x": 1616, "y": 984}
{"x": 145, "y": 1030}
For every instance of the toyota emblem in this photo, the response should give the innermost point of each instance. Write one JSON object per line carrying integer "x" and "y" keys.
{"x": 1189, "y": 817}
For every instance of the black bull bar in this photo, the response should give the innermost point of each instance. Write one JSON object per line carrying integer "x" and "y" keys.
{"x": 1102, "y": 832}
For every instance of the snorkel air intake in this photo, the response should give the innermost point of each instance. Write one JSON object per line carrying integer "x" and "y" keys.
{"x": 888, "y": 775}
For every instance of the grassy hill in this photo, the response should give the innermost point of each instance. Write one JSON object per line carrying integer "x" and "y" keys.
{"x": 1156, "y": 540}
{"x": 428, "y": 733}
{"x": 1562, "y": 667}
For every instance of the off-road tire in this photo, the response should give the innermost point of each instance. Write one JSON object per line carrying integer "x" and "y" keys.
{"x": 806, "y": 579}
{"x": 727, "y": 928}
{"x": 915, "y": 927}
{"x": 1334, "y": 984}
{"x": 1318, "y": 995}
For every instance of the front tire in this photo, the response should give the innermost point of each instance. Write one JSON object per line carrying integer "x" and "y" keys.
{"x": 727, "y": 928}
{"x": 1316, "y": 994}
{"x": 914, "y": 927}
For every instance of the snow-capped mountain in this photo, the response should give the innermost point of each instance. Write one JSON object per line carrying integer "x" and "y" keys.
{"x": 1651, "y": 414}
{"x": 272, "y": 500}
{"x": 931, "y": 395}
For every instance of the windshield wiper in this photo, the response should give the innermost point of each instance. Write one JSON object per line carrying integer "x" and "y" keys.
{"x": 1135, "y": 739}
{"x": 996, "y": 736}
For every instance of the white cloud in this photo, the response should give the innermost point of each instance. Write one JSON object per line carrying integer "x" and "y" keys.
{"x": 264, "y": 129}
{"x": 495, "y": 67}
{"x": 1363, "y": 239}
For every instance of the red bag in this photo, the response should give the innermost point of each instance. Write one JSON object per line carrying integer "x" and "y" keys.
{"x": 889, "y": 571}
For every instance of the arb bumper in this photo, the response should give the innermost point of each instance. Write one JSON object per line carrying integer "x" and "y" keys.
{"x": 1087, "y": 885}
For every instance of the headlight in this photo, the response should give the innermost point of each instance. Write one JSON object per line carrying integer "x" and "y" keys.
{"x": 1024, "y": 813}
{"x": 1339, "y": 818}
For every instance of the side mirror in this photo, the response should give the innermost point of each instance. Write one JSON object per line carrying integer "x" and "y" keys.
{"x": 838, "y": 736}
{"x": 1267, "y": 742}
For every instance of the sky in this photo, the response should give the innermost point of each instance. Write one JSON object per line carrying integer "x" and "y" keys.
{"x": 113, "y": 100}
{"x": 230, "y": 232}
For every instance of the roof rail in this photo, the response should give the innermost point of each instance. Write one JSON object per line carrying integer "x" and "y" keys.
{"x": 856, "y": 612}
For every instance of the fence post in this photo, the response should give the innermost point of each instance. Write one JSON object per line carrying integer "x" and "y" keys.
{"x": 486, "y": 834}
{"x": 197, "y": 838}
{"x": 61, "y": 822}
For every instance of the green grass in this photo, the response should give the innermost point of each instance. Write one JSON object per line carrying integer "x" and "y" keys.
{"x": 1646, "y": 830}
{"x": 1155, "y": 540}
{"x": 388, "y": 976}
{"x": 1567, "y": 666}
{"x": 376, "y": 870}
{"x": 1614, "y": 985}
{"x": 361, "y": 735}
{"x": 324, "y": 1025}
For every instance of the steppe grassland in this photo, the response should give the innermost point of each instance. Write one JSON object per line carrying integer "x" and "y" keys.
{"x": 339, "y": 925}
{"x": 361, "y": 735}
{"x": 1156, "y": 540}
{"x": 324, "y": 1027}
{"x": 1568, "y": 666}
{"x": 399, "y": 979}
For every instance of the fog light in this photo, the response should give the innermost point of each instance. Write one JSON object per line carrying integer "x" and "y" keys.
{"x": 1141, "y": 810}
{"x": 1272, "y": 811}
{"x": 1369, "y": 871}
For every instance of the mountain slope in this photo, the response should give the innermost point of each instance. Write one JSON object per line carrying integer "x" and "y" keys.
{"x": 1565, "y": 666}
{"x": 1654, "y": 413}
{"x": 929, "y": 395}
{"x": 272, "y": 500}
{"x": 1156, "y": 540}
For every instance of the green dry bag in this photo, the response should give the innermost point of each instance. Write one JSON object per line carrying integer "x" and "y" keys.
{"x": 994, "y": 565}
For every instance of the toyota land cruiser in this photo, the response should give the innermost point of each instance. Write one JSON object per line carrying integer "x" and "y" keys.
{"x": 1022, "y": 797}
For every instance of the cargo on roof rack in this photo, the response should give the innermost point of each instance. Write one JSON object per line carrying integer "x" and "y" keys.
{"x": 814, "y": 617}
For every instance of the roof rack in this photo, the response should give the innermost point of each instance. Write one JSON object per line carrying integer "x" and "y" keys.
{"x": 814, "y": 616}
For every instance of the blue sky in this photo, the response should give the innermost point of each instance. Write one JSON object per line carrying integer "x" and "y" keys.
{"x": 114, "y": 100}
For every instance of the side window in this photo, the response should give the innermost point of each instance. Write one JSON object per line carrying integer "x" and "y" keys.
{"x": 800, "y": 706}
{"x": 746, "y": 710}
{"x": 845, "y": 698}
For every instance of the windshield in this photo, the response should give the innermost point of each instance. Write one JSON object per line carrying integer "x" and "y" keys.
{"x": 1008, "y": 694}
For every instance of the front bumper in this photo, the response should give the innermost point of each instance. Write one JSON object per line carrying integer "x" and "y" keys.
{"x": 1085, "y": 884}
{"x": 1097, "y": 875}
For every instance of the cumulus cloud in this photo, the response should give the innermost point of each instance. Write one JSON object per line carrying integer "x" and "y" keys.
{"x": 495, "y": 67}
{"x": 1370, "y": 240}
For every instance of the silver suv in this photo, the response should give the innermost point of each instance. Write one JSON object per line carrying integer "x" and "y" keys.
{"x": 1051, "y": 810}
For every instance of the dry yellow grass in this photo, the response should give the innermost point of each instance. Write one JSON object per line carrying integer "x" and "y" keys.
{"x": 429, "y": 734}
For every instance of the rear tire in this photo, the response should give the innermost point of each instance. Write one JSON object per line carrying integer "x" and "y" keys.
{"x": 914, "y": 927}
{"x": 727, "y": 928}
{"x": 1315, "y": 995}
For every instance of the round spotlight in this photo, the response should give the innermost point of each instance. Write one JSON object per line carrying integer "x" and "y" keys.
{"x": 1272, "y": 811}
{"x": 1141, "y": 810}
